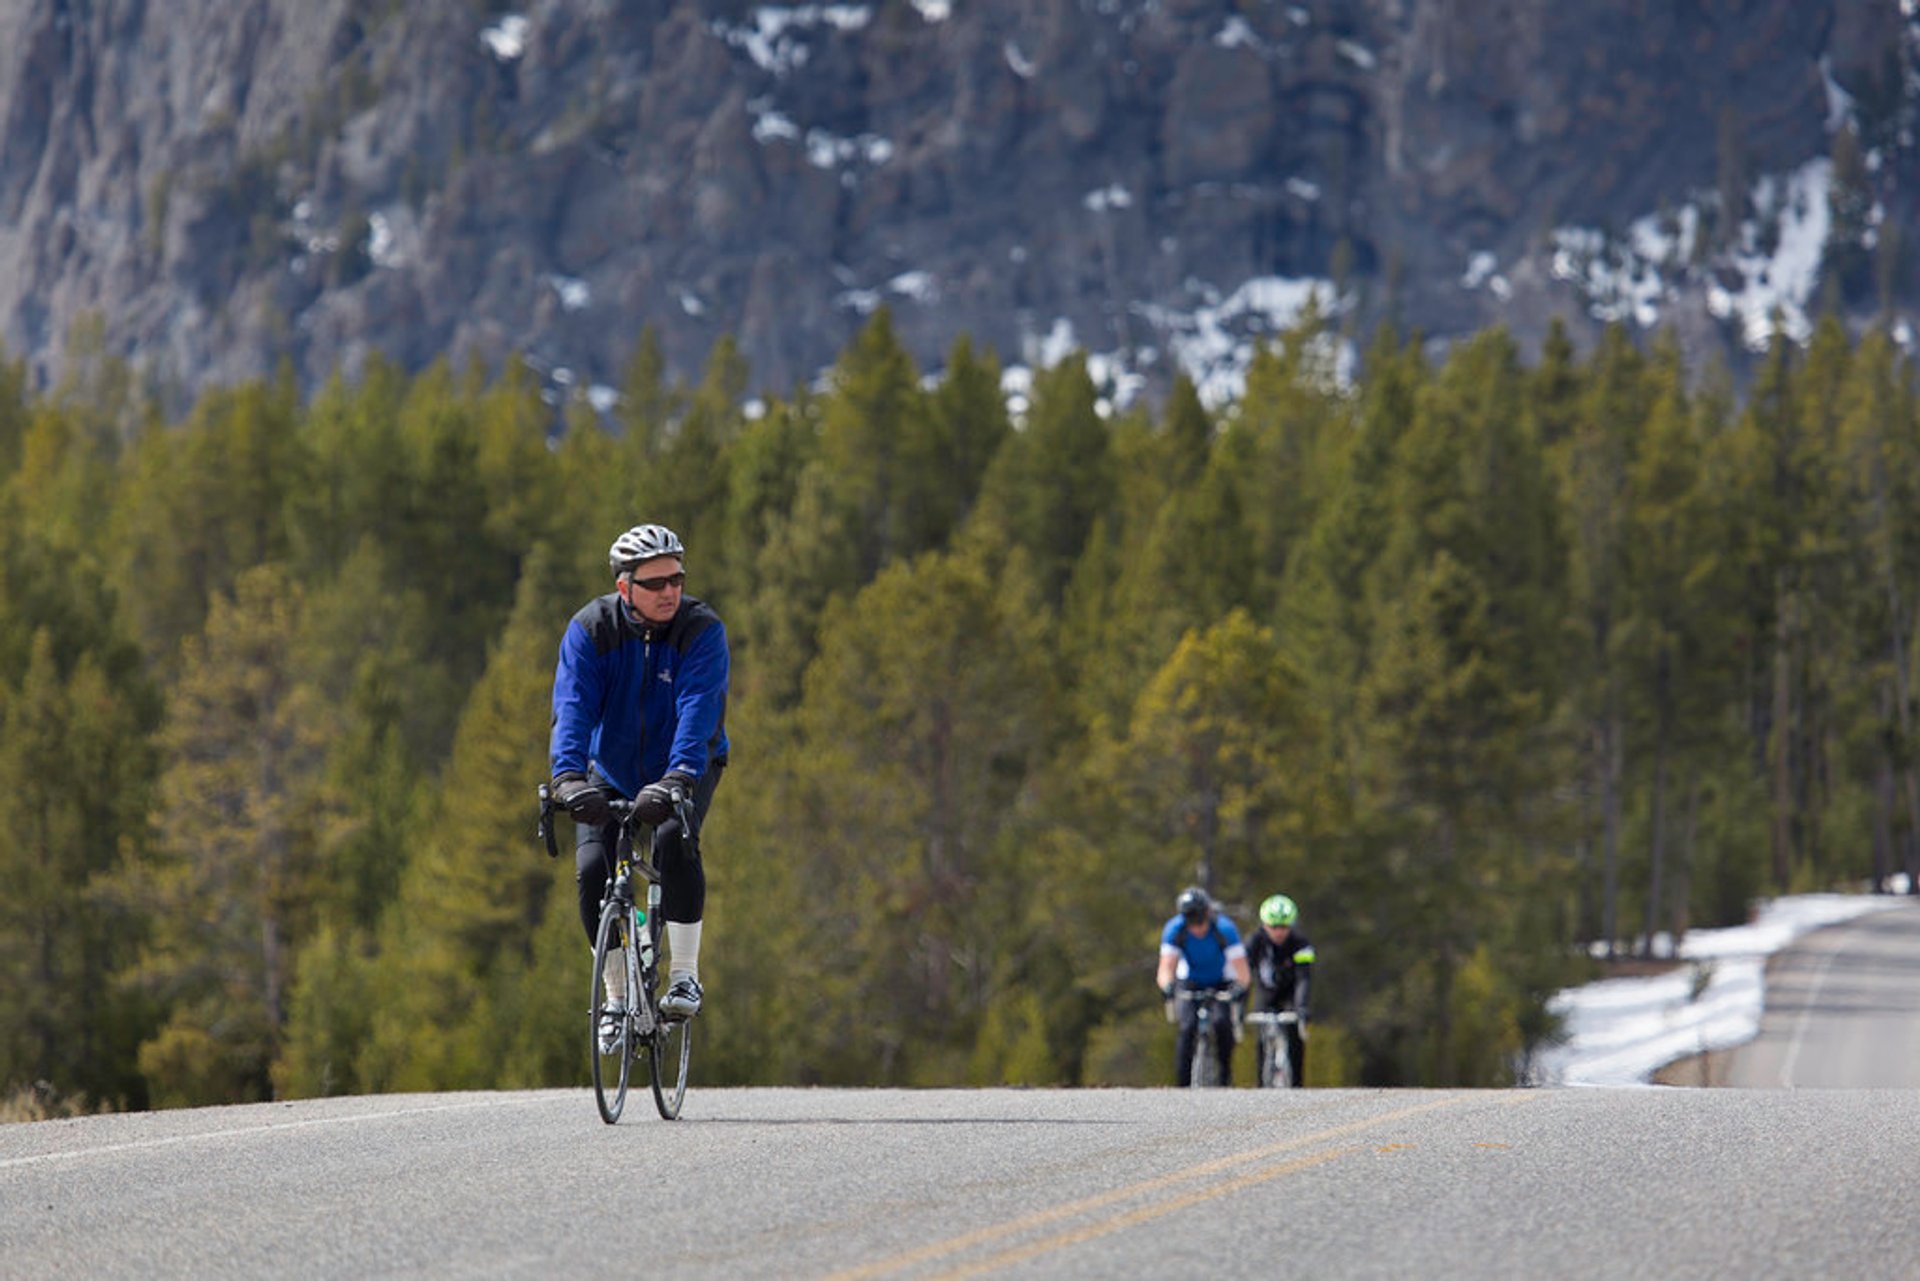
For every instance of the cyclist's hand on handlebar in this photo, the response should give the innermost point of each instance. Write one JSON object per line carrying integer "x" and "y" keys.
{"x": 1166, "y": 991}
{"x": 656, "y": 801}
{"x": 587, "y": 803}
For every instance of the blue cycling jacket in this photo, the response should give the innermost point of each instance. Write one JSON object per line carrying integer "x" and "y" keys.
{"x": 1204, "y": 959}
{"x": 636, "y": 699}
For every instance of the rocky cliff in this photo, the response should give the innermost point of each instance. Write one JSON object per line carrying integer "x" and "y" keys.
{"x": 227, "y": 184}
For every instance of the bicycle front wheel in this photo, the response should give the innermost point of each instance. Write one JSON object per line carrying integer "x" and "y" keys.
{"x": 671, "y": 1049}
{"x": 1206, "y": 1059}
{"x": 1281, "y": 1073}
{"x": 612, "y": 1054}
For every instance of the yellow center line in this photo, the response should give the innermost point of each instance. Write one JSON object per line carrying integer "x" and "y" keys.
{"x": 1041, "y": 1218}
{"x": 1103, "y": 1227}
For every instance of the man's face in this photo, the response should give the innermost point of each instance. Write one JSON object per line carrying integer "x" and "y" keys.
{"x": 653, "y": 587}
{"x": 1278, "y": 933}
{"x": 1196, "y": 925}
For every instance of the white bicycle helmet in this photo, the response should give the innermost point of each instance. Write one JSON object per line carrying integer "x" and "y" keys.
{"x": 643, "y": 543}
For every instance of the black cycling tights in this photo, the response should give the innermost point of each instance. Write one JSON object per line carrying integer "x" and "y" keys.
{"x": 683, "y": 881}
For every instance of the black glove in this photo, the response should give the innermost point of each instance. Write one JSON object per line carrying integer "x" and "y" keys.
{"x": 1166, "y": 991}
{"x": 656, "y": 802}
{"x": 586, "y": 802}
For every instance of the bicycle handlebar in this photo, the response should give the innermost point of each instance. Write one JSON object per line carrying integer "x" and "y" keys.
{"x": 620, "y": 807}
{"x": 1274, "y": 1016}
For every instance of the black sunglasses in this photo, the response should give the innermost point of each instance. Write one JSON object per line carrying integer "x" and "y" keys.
{"x": 660, "y": 583}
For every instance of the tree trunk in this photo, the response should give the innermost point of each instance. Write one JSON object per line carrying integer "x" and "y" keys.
{"x": 1657, "y": 845}
{"x": 1882, "y": 823}
{"x": 1903, "y": 710}
{"x": 1682, "y": 898}
{"x": 1779, "y": 752}
{"x": 1609, "y": 838}
{"x": 1610, "y": 767}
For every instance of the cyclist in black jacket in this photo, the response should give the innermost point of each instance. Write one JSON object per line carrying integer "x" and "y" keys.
{"x": 1282, "y": 962}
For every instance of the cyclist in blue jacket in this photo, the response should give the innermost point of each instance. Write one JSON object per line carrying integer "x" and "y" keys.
{"x": 1200, "y": 949}
{"x": 639, "y": 710}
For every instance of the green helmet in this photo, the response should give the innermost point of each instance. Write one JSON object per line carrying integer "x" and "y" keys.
{"x": 1279, "y": 910}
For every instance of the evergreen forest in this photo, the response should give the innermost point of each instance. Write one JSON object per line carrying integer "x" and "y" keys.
{"x": 1498, "y": 666}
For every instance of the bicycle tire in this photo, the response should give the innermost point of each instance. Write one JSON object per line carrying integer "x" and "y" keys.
{"x": 669, "y": 1051}
{"x": 1280, "y": 1073}
{"x": 1206, "y": 1059}
{"x": 612, "y": 1066}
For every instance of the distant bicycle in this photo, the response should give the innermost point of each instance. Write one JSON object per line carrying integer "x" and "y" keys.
{"x": 626, "y": 959}
{"x": 1213, "y": 1018}
{"x": 1276, "y": 1057}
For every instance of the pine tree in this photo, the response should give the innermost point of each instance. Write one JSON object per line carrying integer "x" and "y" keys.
{"x": 1674, "y": 591}
{"x": 74, "y": 777}
{"x": 228, "y": 888}
{"x": 1593, "y": 460}
{"x": 200, "y": 504}
{"x": 1454, "y": 755}
{"x": 458, "y": 944}
{"x": 915, "y": 739}
{"x": 1053, "y": 480}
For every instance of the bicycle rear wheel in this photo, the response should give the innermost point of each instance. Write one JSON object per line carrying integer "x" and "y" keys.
{"x": 613, "y": 1057}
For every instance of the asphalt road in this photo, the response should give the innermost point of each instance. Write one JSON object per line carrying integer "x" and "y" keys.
{"x": 1842, "y": 1012}
{"x": 837, "y": 1183}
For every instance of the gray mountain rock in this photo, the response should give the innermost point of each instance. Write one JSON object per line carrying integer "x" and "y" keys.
{"x": 229, "y": 184}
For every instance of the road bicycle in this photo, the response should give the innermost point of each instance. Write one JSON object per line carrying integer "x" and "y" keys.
{"x": 626, "y": 960}
{"x": 1213, "y": 1018}
{"x": 1276, "y": 1057}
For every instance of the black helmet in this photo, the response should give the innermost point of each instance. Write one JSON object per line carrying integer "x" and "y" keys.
{"x": 1194, "y": 904}
{"x": 643, "y": 543}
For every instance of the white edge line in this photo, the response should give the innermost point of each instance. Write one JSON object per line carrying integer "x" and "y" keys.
{"x": 108, "y": 1149}
{"x": 1806, "y": 1014}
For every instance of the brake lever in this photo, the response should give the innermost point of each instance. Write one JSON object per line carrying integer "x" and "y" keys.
{"x": 546, "y": 820}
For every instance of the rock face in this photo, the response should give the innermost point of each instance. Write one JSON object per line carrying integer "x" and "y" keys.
{"x": 228, "y": 184}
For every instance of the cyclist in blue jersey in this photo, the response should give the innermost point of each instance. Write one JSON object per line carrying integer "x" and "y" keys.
{"x": 639, "y": 711}
{"x": 1201, "y": 950}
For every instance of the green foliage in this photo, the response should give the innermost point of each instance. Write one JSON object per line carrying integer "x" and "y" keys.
{"x": 74, "y": 782}
{"x": 1481, "y": 663}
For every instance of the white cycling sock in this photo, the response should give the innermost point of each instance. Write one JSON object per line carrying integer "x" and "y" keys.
{"x": 683, "y": 948}
{"x": 615, "y": 974}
